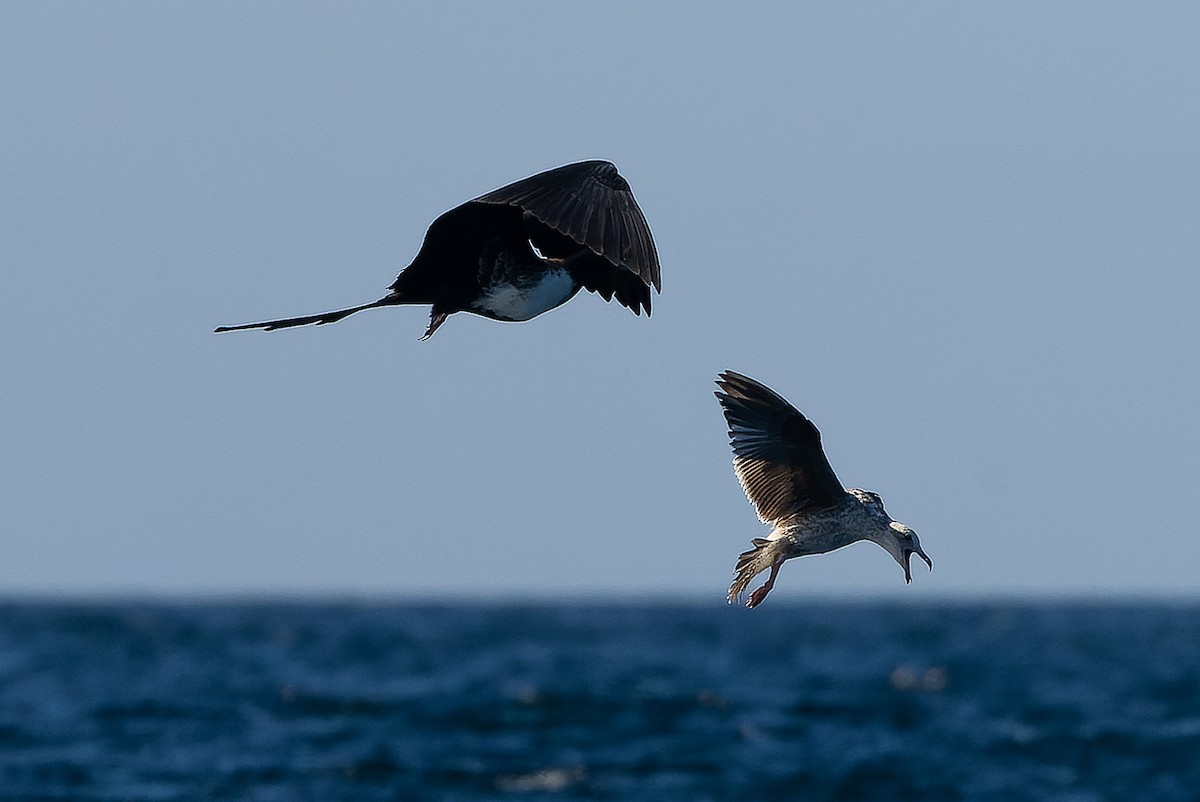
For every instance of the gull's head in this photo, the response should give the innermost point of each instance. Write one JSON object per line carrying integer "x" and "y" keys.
{"x": 899, "y": 539}
{"x": 902, "y": 543}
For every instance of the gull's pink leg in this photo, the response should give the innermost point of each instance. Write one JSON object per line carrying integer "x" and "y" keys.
{"x": 761, "y": 593}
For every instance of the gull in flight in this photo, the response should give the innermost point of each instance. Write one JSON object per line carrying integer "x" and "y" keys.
{"x": 778, "y": 458}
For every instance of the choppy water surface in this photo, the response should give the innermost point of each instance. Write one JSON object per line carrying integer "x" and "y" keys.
{"x": 397, "y": 702}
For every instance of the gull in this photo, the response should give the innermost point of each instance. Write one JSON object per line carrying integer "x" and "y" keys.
{"x": 524, "y": 249}
{"x": 778, "y": 459}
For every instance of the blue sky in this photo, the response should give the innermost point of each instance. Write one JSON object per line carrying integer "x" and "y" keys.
{"x": 963, "y": 239}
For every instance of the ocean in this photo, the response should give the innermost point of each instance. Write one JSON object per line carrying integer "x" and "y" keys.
{"x": 496, "y": 701}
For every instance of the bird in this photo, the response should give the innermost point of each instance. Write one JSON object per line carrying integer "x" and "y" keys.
{"x": 524, "y": 249}
{"x": 778, "y": 459}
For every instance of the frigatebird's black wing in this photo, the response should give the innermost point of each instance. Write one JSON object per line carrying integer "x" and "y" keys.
{"x": 592, "y": 204}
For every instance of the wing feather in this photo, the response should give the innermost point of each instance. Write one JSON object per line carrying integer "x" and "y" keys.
{"x": 777, "y": 452}
{"x": 591, "y": 203}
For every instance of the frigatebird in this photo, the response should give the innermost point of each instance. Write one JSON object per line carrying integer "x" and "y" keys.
{"x": 524, "y": 249}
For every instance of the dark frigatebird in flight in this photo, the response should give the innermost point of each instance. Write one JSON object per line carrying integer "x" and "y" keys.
{"x": 523, "y": 249}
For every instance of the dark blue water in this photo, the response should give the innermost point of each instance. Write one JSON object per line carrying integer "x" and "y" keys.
{"x": 398, "y": 702}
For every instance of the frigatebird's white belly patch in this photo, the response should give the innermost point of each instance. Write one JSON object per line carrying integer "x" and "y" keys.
{"x": 527, "y": 299}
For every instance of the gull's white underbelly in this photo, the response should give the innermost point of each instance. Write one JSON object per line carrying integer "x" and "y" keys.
{"x": 527, "y": 300}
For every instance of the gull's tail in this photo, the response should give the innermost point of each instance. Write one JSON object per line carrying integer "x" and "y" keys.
{"x": 764, "y": 554}
{"x": 320, "y": 319}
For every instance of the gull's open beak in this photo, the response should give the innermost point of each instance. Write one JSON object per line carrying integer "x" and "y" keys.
{"x": 908, "y": 553}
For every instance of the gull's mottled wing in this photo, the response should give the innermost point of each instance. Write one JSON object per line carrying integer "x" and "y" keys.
{"x": 777, "y": 452}
{"x": 591, "y": 203}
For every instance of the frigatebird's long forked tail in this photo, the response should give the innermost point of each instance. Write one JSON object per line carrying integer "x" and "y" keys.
{"x": 319, "y": 319}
